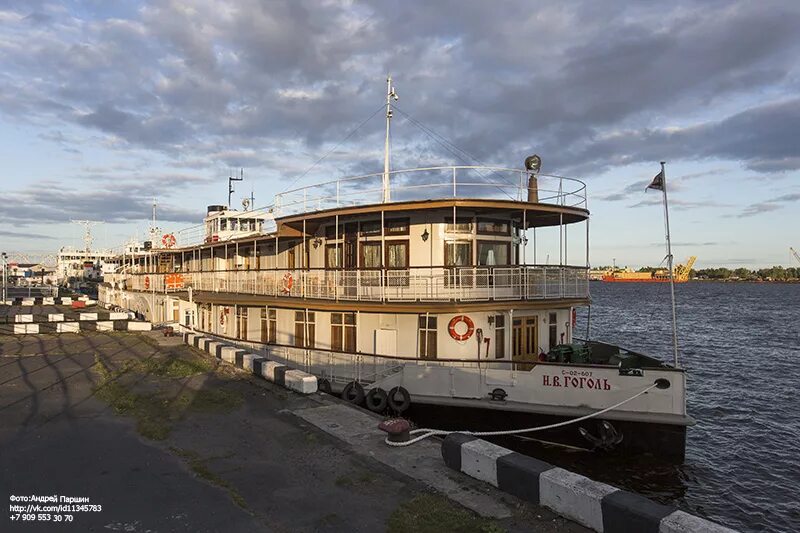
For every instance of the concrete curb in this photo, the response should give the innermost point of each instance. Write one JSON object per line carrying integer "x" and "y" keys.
{"x": 593, "y": 504}
{"x": 61, "y": 326}
{"x": 44, "y": 300}
{"x": 260, "y": 366}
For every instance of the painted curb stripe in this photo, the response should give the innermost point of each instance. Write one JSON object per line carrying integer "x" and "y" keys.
{"x": 625, "y": 511}
{"x": 279, "y": 373}
{"x": 519, "y": 474}
{"x": 451, "y": 449}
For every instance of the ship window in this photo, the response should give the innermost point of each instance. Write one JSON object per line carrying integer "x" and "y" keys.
{"x": 493, "y": 227}
{"x": 241, "y": 322}
{"x": 223, "y": 224}
{"x": 272, "y": 315}
{"x": 493, "y": 253}
{"x": 499, "y": 336}
{"x": 427, "y": 337}
{"x": 343, "y": 332}
{"x": 333, "y": 256}
{"x": 553, "y": 330}
{"x": 397, "y": 254}
{"x": 371, "y": 255}
{"x": 330, "y": 231}
{"x": 457, "y": 253}
{"x": 397, "y": 226}
{"x": 372, "y": 227}
{"x": 462, "y": 225}
{"x": 304, "y": 322}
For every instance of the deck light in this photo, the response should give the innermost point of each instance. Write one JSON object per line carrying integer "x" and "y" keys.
{"x": 425, "y": 235}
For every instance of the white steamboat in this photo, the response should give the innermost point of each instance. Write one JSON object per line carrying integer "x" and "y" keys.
{"x": 423, "y": 285}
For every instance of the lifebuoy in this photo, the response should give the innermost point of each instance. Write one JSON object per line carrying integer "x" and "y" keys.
{"x": 288, "y": 283}
{"x": 455, "y": 322}
{"x": 403, "y": 404}
{"x": 147, "y": 282}
{"x": 222, "y": 313}
{"x": 168, "y": 240}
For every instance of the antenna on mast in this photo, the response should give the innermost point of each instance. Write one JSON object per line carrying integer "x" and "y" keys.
{"x": 153, "y": 228}
{"x": 390, "y": 93}
{"x": 231, "y": 179}
{"x": 87, "y": 236}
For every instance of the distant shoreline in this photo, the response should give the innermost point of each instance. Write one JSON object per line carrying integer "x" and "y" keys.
{"x": 788, "y": 281}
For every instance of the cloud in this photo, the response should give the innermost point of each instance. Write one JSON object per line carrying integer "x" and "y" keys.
{"x": 767, "y": 206}
{"x": 24, "y": 235}
{"x": 274, "y": 86}
{"x": 493, "y": 81}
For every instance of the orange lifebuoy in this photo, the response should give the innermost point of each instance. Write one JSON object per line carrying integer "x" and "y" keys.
{"x": 288, "y": 283}
{"x": 168, "y": 240}
{"x": 451, "y": 327}
{"x": 222, "y": 313}
{"x": 147, "y": 282}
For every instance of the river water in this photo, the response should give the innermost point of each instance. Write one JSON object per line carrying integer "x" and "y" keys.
{"x": 740, "y": 345}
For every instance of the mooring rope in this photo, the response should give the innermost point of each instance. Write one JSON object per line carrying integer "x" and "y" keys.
{"x": 426, "y": 432}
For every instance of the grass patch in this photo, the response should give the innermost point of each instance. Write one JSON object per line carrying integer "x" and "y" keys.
{"x": 156, "y": 411}
{"x": 199, "y": 466}
{"x": 431, "y": 513}
{"x": 218, "y": 399}
{"x": 175, "y": 367}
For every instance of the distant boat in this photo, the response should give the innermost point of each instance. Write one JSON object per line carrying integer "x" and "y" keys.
{"x": 681, "y": 275}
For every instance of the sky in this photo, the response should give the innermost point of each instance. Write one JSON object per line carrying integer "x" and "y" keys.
{"x": 107, "y": 105}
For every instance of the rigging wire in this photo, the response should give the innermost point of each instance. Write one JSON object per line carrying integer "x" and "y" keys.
{"x": 456, "y": 151}
{"x": 318, "y": 161}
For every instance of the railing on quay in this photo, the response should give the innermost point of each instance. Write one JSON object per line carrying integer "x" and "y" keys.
{"x": 466, "y": 284}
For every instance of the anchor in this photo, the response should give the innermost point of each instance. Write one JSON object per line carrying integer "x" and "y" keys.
{"x": 608, "y": 439}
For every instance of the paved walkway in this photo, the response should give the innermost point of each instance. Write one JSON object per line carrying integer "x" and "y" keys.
{"x": 165, "y": 440}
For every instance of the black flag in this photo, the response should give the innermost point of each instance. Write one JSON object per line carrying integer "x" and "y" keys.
{"x": 657, "y": 183}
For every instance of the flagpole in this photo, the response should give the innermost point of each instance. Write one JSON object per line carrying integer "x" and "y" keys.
{"x": 669, "y": 259}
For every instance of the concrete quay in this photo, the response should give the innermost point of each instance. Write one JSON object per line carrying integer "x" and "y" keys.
{"x": 166, "y": 438}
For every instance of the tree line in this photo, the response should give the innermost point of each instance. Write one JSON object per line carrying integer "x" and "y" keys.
{"x": 775, "y": 273}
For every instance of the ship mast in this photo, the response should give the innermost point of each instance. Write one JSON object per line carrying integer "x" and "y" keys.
{"x": 390, "y": 93}
{"x": 671, "y": 273}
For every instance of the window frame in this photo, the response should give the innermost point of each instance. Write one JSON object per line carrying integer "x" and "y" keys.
{"x": 424, "y": 332}
{"x": 403, "y": 242}
{"x": 389, "y": 228}
{"x": 480, "y": 221}
{"x": 344, "y": 328}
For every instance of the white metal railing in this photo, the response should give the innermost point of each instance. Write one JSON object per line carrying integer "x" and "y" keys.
{"x": 433, "y": 183}
{"x": 408, "y": 285}
{"x": 427, "y": 183}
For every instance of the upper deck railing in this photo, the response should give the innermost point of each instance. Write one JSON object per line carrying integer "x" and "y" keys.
{"x": 431, "y": 183}
{"x": 416, "y": 184}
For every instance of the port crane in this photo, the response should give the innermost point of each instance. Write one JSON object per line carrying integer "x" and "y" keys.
{"x": 681, "y": 272}
{"x": 795, "y": 254}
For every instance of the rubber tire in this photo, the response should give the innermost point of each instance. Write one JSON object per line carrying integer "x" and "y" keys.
{"x": 323, "y": 385}
{"x": 404, "y": 404}
{"x": 377, "y": 400}
{"x": 353, "y": 392}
